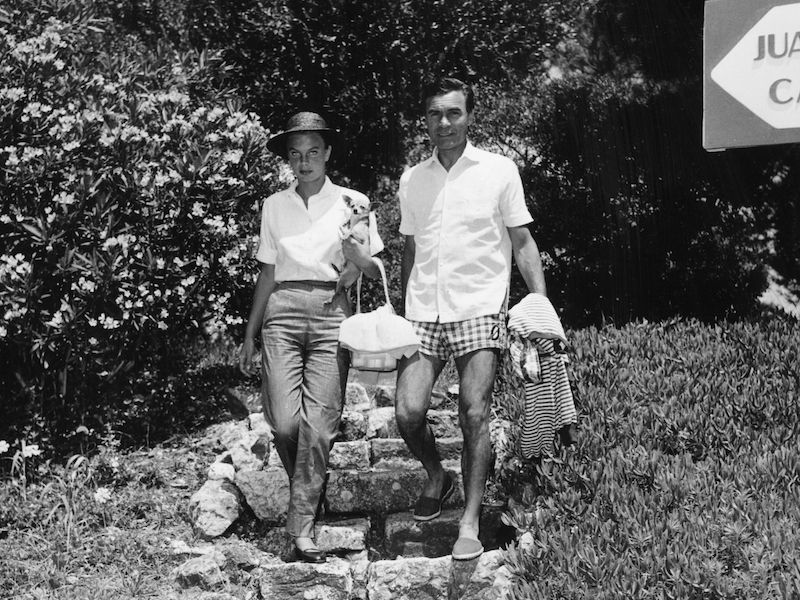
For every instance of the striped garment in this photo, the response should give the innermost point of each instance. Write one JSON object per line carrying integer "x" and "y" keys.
{"x": 535, "y": 317}
{"x": 549, "y": 406}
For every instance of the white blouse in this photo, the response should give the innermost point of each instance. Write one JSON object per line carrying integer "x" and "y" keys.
{"x": 304, "y": 243}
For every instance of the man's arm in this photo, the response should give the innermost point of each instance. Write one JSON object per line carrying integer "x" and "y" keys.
{"x": 529, "y": 261}
{"x": 406, "y": 265}
{"x": 264, "y": 287}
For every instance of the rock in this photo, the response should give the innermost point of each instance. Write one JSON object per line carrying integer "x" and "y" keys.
{"x": 331, "y": 580}
{"x": 240, "y": 554}
{"x": 439, "y": 398}
{"x": 343, "y": 536}
{"x": 356, "y": 397}
{"x": 256, "y": 422}
{"x": 243, "y": 400}
{"x": 384, "y": 396}
{"x": 274, "y": 460}
{"x": 214, "y": 508}
{"x": 220, "y": 470}
{"x": 353, "y": 426}
{"x": 201, "y": 571}
{"x": 381, "y": 423}
{"x": 266, "y": 492}
{"x": 407, "y": 537}
{"x": 350, "y": 455}
{"x": 475, "y": 579}
{"x": 409, "y": 579}
{"x": 503, "y": 583}
{"x": 377, "y": 491}
{"x": 390, "y": 449}
{"x": 444, "y": 424}
{"x": 179, "y": 547}
{"x": 248, "y": 449}
{"x": 359, "y": 570}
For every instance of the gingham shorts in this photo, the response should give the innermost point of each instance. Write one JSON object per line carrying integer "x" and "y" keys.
{"x": 461, "y": 337}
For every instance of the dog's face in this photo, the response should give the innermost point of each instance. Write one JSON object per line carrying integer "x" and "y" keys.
{"x": 359, "y": 206}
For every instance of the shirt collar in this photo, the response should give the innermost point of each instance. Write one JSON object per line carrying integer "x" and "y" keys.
{"x": 470, "y": 153}
{"x": 327, "y": 189}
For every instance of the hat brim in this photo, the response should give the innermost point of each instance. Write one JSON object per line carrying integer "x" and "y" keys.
{"x": 277, "y": 143}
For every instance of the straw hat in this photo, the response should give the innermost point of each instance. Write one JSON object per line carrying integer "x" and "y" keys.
{"x": 302, "y": 122}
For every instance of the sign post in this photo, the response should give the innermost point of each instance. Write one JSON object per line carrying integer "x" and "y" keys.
{"x": 751, "y": 87}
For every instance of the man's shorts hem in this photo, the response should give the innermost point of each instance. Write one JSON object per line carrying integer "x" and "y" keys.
{"x": 442, "y": 340}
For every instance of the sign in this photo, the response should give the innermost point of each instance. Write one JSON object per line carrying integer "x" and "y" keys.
{"x": 751, "y": 91}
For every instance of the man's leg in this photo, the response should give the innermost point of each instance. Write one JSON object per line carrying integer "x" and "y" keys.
{"x": 415, "y": 378}
{"x": 476, "y": 371}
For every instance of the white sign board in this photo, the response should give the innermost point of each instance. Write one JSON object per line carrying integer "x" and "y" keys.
{"x": 762, "y": 71}
{"x": 751, "y": 91}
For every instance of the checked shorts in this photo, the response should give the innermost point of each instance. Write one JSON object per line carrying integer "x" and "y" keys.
{"x": 461, "y": 337}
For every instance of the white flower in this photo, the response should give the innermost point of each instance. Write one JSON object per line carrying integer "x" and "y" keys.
{"x": 31, "y": 450}
{"x": 102, "y": 495}
{"x": 215, "y": 114}
{"x": 232, "y": 156}
{"x": 4, "y": 446}
{"x": 64, "y": 198}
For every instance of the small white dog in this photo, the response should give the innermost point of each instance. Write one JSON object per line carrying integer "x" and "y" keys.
{"x": 356, "y": 227}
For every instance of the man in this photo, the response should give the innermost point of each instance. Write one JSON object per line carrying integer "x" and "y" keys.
{"x": 462, "y": 213}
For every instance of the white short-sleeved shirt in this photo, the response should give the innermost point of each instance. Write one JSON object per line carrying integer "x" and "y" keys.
{"x": 459, "y": 221}
{"x": 304, "y": 243}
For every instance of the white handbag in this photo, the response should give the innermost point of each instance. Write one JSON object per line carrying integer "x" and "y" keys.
{"x": 377, "y": 339}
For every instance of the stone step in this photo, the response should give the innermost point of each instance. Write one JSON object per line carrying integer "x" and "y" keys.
{"x": 381, "y": 490}
{"x": 383, "y": 451}
{"x": 381, "y": 423}
{"x": 416, "y": 578}
{"x": 405, "y": 537}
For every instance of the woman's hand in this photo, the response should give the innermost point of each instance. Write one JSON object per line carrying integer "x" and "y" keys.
{"x": 358, "y": 253}
{"x": 246, "y": 353}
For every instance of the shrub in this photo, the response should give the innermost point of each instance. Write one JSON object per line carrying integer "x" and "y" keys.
{"x": 129, "y": 196}
{"x": 686, "y": 479}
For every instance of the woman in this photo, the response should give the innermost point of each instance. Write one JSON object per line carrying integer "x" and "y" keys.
{"x": 297, "y": 311}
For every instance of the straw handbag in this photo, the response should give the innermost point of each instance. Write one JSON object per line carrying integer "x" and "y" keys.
{"x": 377, "y": 339}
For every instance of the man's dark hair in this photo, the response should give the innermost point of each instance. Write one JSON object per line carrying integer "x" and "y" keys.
{"x": 445, "y": 85}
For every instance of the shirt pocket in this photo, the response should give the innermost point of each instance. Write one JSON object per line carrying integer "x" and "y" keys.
{"x": 478, "y": 203}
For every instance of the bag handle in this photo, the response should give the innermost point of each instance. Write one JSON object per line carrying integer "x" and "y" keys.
{"x": 378, "y": 262}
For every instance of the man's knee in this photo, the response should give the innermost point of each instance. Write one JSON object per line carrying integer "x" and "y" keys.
{"x": 409, "y": 415}
{"x": 474, "y": 419}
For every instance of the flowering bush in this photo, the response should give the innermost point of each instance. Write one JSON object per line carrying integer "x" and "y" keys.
{"x": 129, "y": 188}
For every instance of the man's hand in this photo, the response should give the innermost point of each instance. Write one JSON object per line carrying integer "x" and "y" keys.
{"x": 246, "y": 353}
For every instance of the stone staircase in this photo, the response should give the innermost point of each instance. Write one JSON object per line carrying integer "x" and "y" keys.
{"x": 376, "y": 550}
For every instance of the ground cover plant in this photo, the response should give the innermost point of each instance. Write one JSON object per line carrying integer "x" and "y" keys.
{"x": 685, "y": 483}
{"x": 686, "y": 479}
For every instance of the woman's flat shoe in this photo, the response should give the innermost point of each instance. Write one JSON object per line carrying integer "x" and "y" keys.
{"x": 311, "y": 555}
